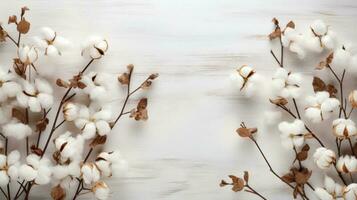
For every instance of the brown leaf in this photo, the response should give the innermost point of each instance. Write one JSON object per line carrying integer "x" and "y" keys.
{"x": 41, "y": 125}
{"x": 331, "y": 90}
{"x": 275, "y": 34}
{"x": 289, "y": 178}
{"x": 23, "y": 10}
{"x": 58, "y": 193}
{"x": 318, "y": 84}
{"x": 62, "y": 83}
{"x": 153, "y": 76}
{"x": 302, "y": 155}
{"x": 23, "y": 26}
{"x": 323, "y": 64}
{"x": 19, "y": 115}
{"x": 81, "y": 85}
{"x": 12, "y": 19}
{"x": 306, "y": 147}
{"x": 36, "y": 150}
{"x": 238, "y": 185}
{"x": 244, "y": 132}
{"x": 223, "y": 183}
{"x": 279, "y": 101}
{"x": 301, "y": 177}
{"x": 291, "y": 24}
{"x": 99, "y": 140}
{"x": 124, "y": 78}
{"x": 141, "y": 112}
{"x": 3, "y": 34}
{"x": 19, "y": 68}
{"x": 246, "y": 176}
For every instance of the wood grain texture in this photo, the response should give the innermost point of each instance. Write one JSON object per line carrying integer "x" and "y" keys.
{"x": 188, "y": 145}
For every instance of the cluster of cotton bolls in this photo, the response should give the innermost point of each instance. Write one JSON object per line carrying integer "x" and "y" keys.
{"x": 327, "y": 101}
{"x": 20, "y": 92}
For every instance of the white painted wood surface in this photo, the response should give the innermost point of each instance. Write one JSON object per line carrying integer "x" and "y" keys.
{"x": 189, "y": 144}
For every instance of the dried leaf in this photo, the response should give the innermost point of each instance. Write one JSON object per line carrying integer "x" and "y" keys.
{"x": 325, "y": 63}
{"x": 301, "y": 177}
{"x": 58, "y": 193}
{"x": 99, "y": 140}
{"x": 19, "y": 68}
{"x": 3, "y": 34}
{"x": 42, "y": 124}
{"x": 62, "y": 83}
{"x": 289, "y": 178}
{"x": 244, "y": 132}
{"x": 81, "y": 85}
{"x": 23, "y": 26}
{"x": 306, "y": 147}
{"x": 318, "y": 84}
{"x": 331, "y": 90}
{"x": 12, "y": 19}
{"x": 18, "y": 114}
{"x": 36, "y": 150}
{"x": 153, "y": 76}
{"x": 275, "y": 34}
{"x": 124, "y": 78}
{"x": 302, "y": 155}
{"x": 141, "y": 112}
{"x": 238, "y": 185}
{"x": 246, "y": 176}
{"x": 291, "y": 24}
{"x": 23, "y": 10}
{"x": 279, "y": 101}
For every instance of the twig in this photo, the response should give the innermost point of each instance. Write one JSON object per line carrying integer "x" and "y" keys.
{"x": 254, "y": 192}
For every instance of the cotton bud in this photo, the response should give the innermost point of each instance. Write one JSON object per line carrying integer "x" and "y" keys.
{"x": 95, "y": 47}
{"x": 90, "y": 173}
{"x": 320, "y": 106}
{"x": 292, "y": 134}
{"x": 245, "y": 79}
{"x": 17, "y": 130}
{"x": 27, "y": 54}
{"x": 286, "y": 84}
{"x": 350, "y": 192}
{"x": 319, "y": 27}
{"x": 324, "y": 157}
{"x": 344, "y": 128}
{"x": 70, "y": 111}
{"x": 50, "y": 42}
{"x": 352, "y": 97}
{"x": 101, "y": 190}
{"x": 347, "y": 164}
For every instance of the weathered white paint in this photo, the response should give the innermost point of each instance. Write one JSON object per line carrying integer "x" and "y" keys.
{"x": 189, "y": 143}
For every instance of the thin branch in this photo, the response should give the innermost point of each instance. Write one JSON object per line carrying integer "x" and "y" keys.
{"x": 254, "y": 192}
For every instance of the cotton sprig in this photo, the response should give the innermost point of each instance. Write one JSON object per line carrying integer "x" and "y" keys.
{"x": 320, "y": 106}
{"x": 95, "y": 47}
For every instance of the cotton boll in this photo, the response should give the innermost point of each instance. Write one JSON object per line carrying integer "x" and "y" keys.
{"x": 13, "y": 157}
{"x": 341, "y": 59}
{"x": 13, "y": 172}
{"x": 90, "y": 173}
{"x": 43, "y": 86}
{"x": 5, "y": 114}
{"x": 319, "y": 27}
{"x": 313, "y": 44}
{"x": 28, "y": 173}
{"x": 103, "y": 114}
{"x": 98, "y": 93}
{"x": 350, "y": 192}
{"x": 48, "y": 33}
{"x": 103, "y": 127}
{"x": 101, "y": 190}
{"x": 324, "y": 158}
{"x": 11, "y": 88}
{"x": 34, "y": 104}
{"x": 70, "y": 111}
{"x": 89, "y": 131}
{"x": 4, "y": 178}
{"x": 328, "y": 42}
{"x": 17, "y": 130}
{"x": 45, "y": 100}
{"x": 323, "y": 194}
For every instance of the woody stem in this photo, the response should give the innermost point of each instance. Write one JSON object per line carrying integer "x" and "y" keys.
{"x": 251, "y": 190}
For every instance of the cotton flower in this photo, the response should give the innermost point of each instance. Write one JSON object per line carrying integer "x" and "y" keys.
{"x": 51, "y": 42}
{"x": 292, "y": 134}
{"x": 327, "y": 38}
{"x": 320, "y": 106}
{"x": 245, "y": 79}
{"x": 101, "y": 190}
{"x": 347, "y": 164}
{"x": 341, "y": 58}
{"x": 64, "y": 175}
{"x": 37, "y": 169}
{"x": 324, "y": 158}
{"x": 36, "y": 96}
{"x": 344, "y": 128}
{"x": 286, "y": 84}
{"x": 69, "y": 147}
{"x": 291, "y": 39}
{"x": 16, "y": 130}
{"x": 90, "y": 173}
{"x": 350, "y": 192}
{"x": 8, "y": 86}
{"x": 330, "y": 191}
{"x": 110, "y": 163}
{"x": 98, "y": 85}
{"x": 70, "y": 111}
{"x": 352, "y": 98}
{"x": 27, "y": 54}
{"x": 9, "y": 167}
{"x": 93, "y": 121}
{"x": 95, "y": 47}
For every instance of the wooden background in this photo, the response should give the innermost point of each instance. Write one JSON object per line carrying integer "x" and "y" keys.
{"x": 189, "y": 143}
